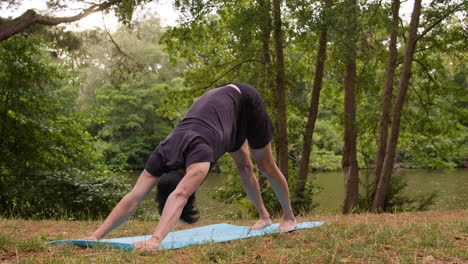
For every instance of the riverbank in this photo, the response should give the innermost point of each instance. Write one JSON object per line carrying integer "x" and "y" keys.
{"x": 423, "y": 237}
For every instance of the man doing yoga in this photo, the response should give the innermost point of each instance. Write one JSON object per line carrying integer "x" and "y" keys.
{"x": 229, "y": 119}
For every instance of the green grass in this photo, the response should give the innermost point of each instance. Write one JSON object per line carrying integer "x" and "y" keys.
{"x": 434, "y": 237}
{"x": 5, "y": 241}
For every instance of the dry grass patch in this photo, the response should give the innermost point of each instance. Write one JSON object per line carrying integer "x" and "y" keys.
{"x": 430, "y": 237}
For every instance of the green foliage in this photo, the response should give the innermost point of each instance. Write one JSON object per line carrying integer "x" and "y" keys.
{"x": 306, "y": 203}
{"x": 325, "y": 160}
{"x": 213, "y": 41}
{"x": 49, "y": 166}
{"x": 128, "y": 95}
{"x": 435, "y": 133}
{"x": 127, "y": 78}
{"x": 327, "y": 148}
{"x": 128, "y": 135}
{"x": 231, "y": 192}
{"x": 126, "y": 8}
{"x": 398, "y": 199}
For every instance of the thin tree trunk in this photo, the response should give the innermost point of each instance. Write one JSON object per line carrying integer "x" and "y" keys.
{"x": 349, "y": 162}
{"x": 387, "y": 97}
{"x": 313, "y": 109}
{"x": 280, "y": 89}
{"x": 3, "y": 149}
{"x": 266, "y": 28}
{"x": 382, "y": 188}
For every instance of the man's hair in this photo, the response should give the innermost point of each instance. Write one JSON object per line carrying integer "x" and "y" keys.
{"x": 166, "y": 185}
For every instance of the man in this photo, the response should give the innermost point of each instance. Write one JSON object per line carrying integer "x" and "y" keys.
{"x": 229, "y": 119}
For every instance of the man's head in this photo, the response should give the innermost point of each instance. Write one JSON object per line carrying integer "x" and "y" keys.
{"x": 166, "y": 185}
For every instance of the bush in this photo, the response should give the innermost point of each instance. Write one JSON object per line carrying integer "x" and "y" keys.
{"x": 49, "y": 166}
{"x": 231, "y": 192}
{"x": 397, "y": 200}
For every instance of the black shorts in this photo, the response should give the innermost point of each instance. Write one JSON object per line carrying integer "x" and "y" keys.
{"x": 254, "y": 124}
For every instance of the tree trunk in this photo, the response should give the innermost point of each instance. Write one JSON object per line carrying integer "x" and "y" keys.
{"x": 280, "y": 89}
{"x": 266, "y": 28}
{"x": 313, "y": 109}
{"x": 3, "y": 150}
{"x": 387, "y": 97}
{"x": 30, "y": 17}
{"x": 382, "y": 188}
{"x": 349, "y": 162}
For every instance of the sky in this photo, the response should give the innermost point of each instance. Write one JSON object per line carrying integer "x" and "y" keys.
{"x": 164, "y": 9}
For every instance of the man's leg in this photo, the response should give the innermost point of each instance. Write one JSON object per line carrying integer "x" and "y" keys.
{"x": 250, "y": 183}
{"x": 266, "y": 164}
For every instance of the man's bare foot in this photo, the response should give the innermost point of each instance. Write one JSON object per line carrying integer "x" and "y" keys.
{"x": 286, "y": 225}
{"x": 261, "y": 223}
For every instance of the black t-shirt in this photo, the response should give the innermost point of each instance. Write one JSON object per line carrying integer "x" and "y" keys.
{"x": 206, "y": 132}
{"x": 218, "y": 122}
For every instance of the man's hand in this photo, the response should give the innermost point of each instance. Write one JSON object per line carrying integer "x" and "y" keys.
{"x": 151, "y": 243}
{"x": 91, "y": 237}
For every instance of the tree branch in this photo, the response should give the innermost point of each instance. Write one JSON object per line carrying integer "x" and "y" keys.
{"x": 121, "y": 51}
{"x": 427, "y": 73}
{"x": 225, "y": 73}
{"x": 228, "y": 71}
{"x": 30, "y": 17}
{"x": 438, "y": 21}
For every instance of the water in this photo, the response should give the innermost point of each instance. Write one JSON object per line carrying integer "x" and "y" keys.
{"x": 451, "y": 186}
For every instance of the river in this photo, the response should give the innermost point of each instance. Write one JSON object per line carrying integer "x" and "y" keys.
{"x": 451, "y": 187}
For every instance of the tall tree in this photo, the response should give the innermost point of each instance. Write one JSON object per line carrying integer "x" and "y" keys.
{"x": 266, "y": 28}
{"x": 388, "y": 92}
{"x": 313, "y": 107}
{"x": 382, "y": 186}
{"x": 349, "y": 161}
{"x": 433, "y": 18}
{"x": 280, "y": 89}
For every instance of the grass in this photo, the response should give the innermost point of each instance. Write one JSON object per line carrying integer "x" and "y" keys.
{"x": 430, "y": 237}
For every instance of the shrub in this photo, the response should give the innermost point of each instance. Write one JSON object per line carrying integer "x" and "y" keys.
{"x": 231, "y": 191}
{"x": 49, "y": 166}
{"x": 397, "y": 200}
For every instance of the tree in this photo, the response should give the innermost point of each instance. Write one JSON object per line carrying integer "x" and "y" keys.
{"x": 433, "y": 20}
{"x": 12, "y": 27}
{"x": 382, "y": 187}
{"x": 313, "y": 108}
{"x": 283, "y": 153}
{"x": 266, "y": 28}
{"x": 388, "y": 92}
{"x": 349, "y": 162}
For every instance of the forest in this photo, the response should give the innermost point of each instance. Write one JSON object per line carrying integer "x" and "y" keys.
{"x": 350, "y": 85}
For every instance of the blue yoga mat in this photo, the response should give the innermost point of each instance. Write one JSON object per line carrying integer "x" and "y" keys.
{"x": 199, "y": 235}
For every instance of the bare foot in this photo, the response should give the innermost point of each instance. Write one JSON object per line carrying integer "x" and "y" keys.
{"x": 261, "y": 223}
{"x": 286, "y": 225}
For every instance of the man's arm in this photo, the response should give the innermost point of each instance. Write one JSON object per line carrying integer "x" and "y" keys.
{"x": 127, "y": 206}
{"x": 176, "y": 201}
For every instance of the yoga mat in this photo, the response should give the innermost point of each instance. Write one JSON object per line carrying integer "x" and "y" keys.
{"x": 199, "y": 235}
